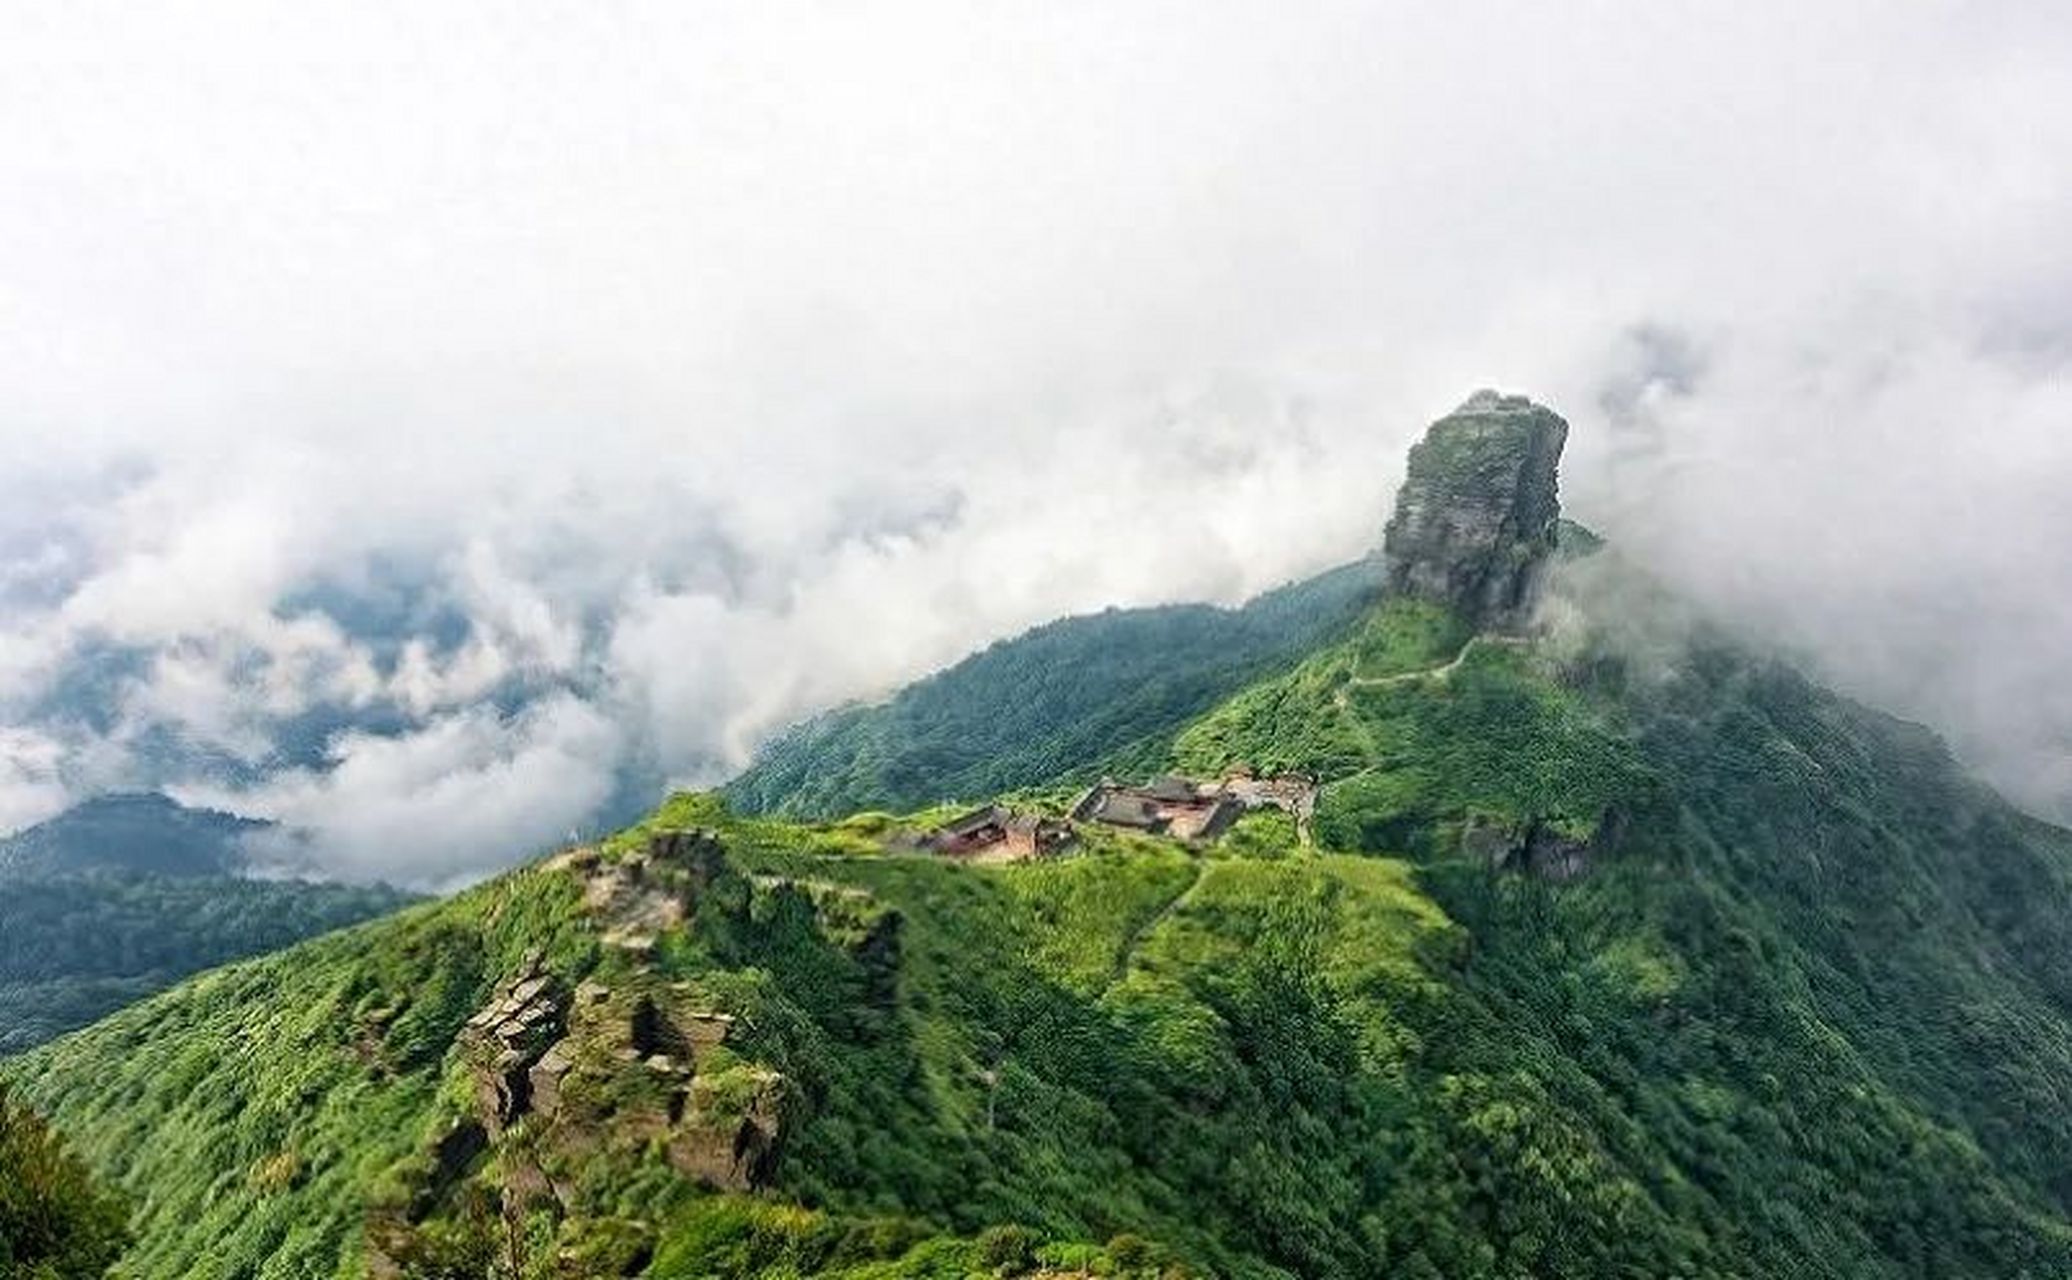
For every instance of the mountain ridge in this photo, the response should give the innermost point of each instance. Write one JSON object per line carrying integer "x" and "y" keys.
{"x": 143, "y": 831}
{"x": 1052, "y": 702}
{"x": 1621, "y": 948}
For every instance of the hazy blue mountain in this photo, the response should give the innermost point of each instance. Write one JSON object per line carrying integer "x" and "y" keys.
{"x": 125, "y": 894}
{"x": 127, "y": 831}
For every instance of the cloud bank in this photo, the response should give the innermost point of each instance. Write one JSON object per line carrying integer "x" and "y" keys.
{"x": 439, "y": 425}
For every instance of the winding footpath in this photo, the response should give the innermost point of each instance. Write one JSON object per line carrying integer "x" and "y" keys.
{"x": 1128, "y": 949}
{"x": 1342, "y": 699}
{"x": 1439, "y": 672}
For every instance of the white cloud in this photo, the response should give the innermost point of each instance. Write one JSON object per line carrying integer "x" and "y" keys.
{"x": 692, "y": 368}
{"x": 446, "y": 802}
{"x": 31, "y": 784}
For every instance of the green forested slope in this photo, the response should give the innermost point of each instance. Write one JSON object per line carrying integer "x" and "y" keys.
{"x": 1058, "y": 702}
{"x": 1804, "y": 1014}
{"x": 55, "y": 1223}
{"x": 74, "y": 948}
{"x": 123, "y": 895}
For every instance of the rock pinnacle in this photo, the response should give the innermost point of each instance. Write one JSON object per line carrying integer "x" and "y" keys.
{"x": 1474, "y": 524}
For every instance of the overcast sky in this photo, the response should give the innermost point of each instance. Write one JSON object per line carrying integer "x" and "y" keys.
{"x": 418, "y": 419}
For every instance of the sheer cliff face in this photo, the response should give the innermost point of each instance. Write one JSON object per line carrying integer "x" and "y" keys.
{"x": 1474, "y": 524}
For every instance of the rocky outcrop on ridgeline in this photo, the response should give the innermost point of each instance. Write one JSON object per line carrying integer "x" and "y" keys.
{"x": 1476, "y": 521}
{"x": 639, "y": 1059}
{"x": 649, "y": 1061}
{"x": 649, "y": 892}
{"x": 580, "y": 1074}
{"x": 506, "y": 1037}
{"x": 583, "y": 1075}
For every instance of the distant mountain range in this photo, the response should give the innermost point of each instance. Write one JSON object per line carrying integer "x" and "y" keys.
{"x": 125, "y": 894}
{"x": 130, "y": 831}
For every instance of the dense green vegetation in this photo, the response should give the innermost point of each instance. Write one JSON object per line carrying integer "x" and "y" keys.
{"x": 74, "y": 948}
{"x": 256, "y": 1107}
{"x": 1415, "y": 727}
{"x": 1807, "y": 1014}
{"x": 1825, "y": 991}
{"x": 123, "y": 895}
{"x": 1492, "y": 739}
{"x": 1301, "y": 721}
{"x": 1061, "y": 702}
{"x": 55, "y": 1222}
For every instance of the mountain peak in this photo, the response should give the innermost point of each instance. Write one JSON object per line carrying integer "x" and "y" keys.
{"x": 1475, "y": 521}
{"x": 130, "y": 831}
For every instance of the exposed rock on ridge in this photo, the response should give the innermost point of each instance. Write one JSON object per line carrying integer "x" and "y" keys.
{"x": 580, "y": 1073}
{"x": 1475, "y": 522}
{"x": 504, "y": 1039}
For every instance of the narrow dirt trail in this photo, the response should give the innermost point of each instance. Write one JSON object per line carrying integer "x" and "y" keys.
{"x": 1137, "y": 935}
{"x": 1341, "y": 697}
{"x": 1439, "y": 672}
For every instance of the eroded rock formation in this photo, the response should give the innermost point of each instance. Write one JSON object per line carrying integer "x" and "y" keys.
{"x": 1475, "y": 522}
{"x": 506, "y": 1037}
{"x": 569, "y": 1075}
{"x": 1540, "y": 848}
{"x": 643, "y": 1062}
{"x": 636, "y": 1060}
{"x": 732, "y": 1129}
{"x": 648, "y": 892}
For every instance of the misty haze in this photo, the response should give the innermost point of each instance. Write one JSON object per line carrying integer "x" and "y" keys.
{"x": 1134, "y": 640}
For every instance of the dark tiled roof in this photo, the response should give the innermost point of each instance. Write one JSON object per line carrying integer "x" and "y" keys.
{"x": 975, "y": 820}
{"x": 1127, "y": 811}
{"x": 1225, "y": 812}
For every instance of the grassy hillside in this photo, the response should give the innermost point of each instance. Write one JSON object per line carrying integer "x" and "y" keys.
{"x": 1602, "y": 964}
{"x": 1417, "y": 728}
{"x": 1058, "y": 702}
{"x": 1107, "y": 995}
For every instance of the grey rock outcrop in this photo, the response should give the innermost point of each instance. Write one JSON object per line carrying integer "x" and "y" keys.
{"x": 732, "y": 1135}
{"x": 1533, "y": 848}
{"x": 1475, "y": 522}
{"x": 650, "y": 891}
{"x": 506, "y": 1037}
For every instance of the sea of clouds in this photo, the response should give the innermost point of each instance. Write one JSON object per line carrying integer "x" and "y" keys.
{"x": 440, "y": 427}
